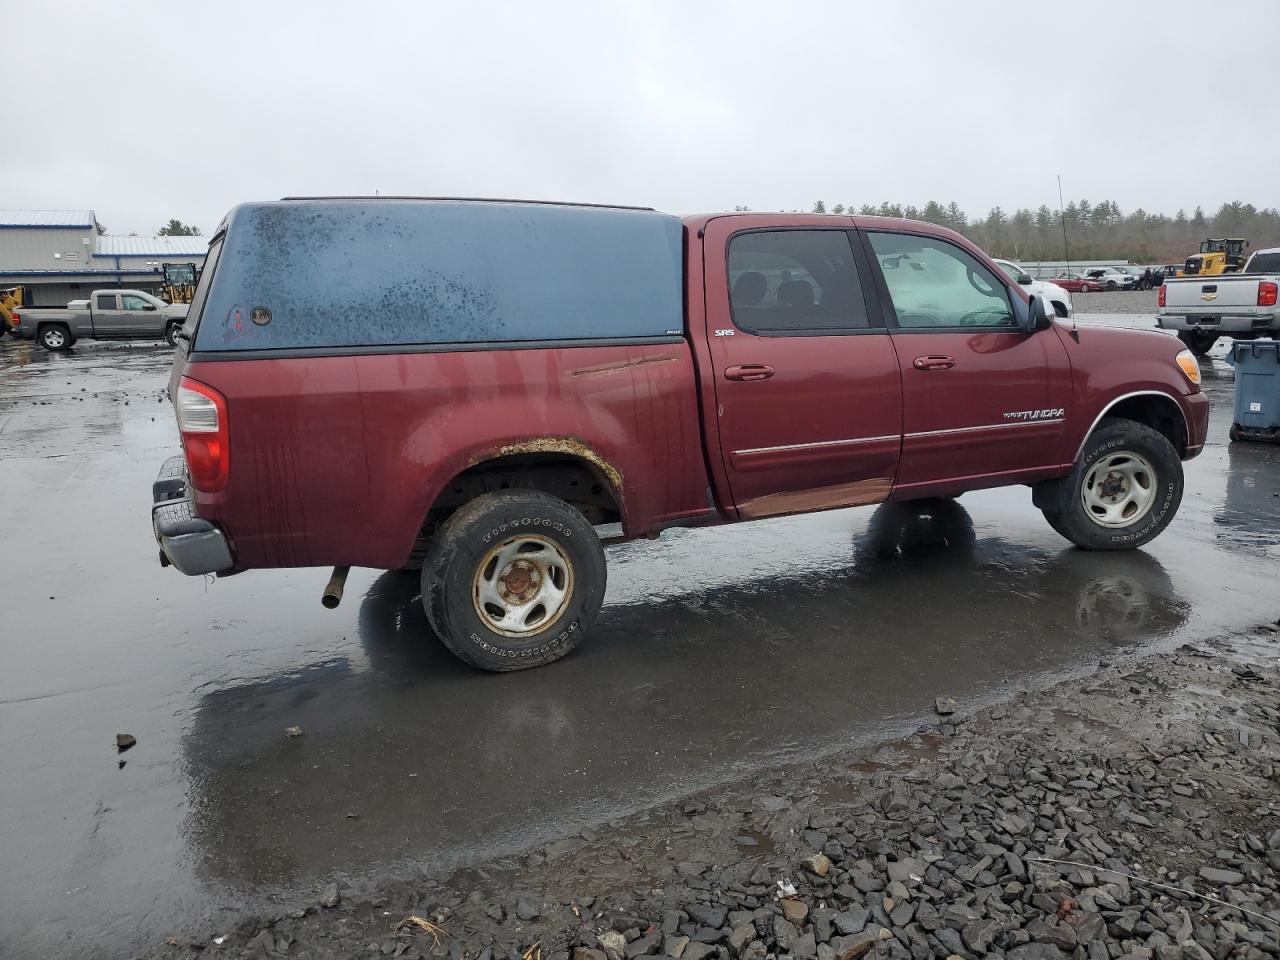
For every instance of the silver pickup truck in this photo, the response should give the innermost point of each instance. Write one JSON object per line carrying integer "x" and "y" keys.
{"x": 106, "y": 315}
{"x": 1242, "y": 305}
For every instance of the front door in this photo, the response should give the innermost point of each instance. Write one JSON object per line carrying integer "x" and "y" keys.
{"x": 140, "y": 317}
{"x": 983, "y": 400}
{"x": 109, "y": 321}
{"x": 809, "y": 411}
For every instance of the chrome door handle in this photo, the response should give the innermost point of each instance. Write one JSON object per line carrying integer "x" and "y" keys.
{"x": 933, "y": 363}
{"x": 748, "y": 371}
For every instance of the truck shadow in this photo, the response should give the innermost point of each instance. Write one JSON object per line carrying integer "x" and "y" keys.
{"x": 409, "y": 759}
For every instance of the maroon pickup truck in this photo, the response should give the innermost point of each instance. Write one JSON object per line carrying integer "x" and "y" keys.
{"x": 488, "y": 390}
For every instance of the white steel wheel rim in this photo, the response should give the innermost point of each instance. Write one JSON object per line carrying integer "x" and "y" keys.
{"x": 54, "y": 338}
{"x": 1119, "y": 489}
{"x": 522, "y": 586}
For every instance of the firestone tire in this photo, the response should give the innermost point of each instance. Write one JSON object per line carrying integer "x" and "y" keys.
{"x": 1123, "y": 463}
{"x": 495, "y": 562}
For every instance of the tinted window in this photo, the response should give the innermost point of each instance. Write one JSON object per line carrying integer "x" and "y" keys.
{"x": 794, "y": 281}
{"x": 1265, "y": 263}
{"x": 202, "y": 285}
{"x": 106, "y": 301}
{"x": 384, "y": 272}
{"x": 936, "y": 284}
{"x": 133, "y": 303}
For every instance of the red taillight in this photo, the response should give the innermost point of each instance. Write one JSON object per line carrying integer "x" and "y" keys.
{"x": 202, "y": 421}
{"x": 1160, "y": 296}
{"x": 14, "y": 319}
{"x": 1266, "y": 293}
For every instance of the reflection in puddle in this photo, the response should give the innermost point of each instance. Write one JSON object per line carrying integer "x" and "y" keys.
{"x": 1250, "y": 514}
{"x": 680, "y": 687}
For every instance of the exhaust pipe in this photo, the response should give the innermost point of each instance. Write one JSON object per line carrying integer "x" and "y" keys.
{"x": 332, "y": 595}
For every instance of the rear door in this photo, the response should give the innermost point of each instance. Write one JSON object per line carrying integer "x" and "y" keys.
{"x": 108, "y": 319}
{"x": 983, "y": 400}
{"x": 809, "y": 409}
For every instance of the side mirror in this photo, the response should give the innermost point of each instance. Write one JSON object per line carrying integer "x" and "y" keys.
{"x": 1024, "y": 279}
{"x": 149, "y": 306}
{"x": 1038, "y": 317}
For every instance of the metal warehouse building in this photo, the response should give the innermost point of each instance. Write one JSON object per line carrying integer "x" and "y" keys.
{"x": 58, "y": 256}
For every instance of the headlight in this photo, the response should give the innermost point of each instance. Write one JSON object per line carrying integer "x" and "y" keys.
{"x": 1186, "y": 361}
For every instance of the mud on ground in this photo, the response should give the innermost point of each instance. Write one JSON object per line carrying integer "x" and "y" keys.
{"x": 1131, "y": 813}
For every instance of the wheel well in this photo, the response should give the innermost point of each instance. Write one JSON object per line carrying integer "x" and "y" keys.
{"x": 1059, "y": 308}
{"x": 1161, "y": 414}
{"x": 574, "y": 480}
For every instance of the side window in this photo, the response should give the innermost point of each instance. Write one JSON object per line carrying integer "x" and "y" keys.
{"x": 133, "y": 303}
{"x": 106, "y": 301}
{"x": 934, "y": 283}
{"x": 794, "y": 281}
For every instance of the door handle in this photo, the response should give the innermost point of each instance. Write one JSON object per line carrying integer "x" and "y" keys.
{"x": 748, "y": 371}
{"x": 933, "y": 363}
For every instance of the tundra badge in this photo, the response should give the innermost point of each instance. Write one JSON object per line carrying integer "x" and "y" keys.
{"x": 1025, "y": 415}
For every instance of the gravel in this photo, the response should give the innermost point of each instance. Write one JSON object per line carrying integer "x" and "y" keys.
{"x": 1117, "y": 301}
{"x": 1117, "y": 815}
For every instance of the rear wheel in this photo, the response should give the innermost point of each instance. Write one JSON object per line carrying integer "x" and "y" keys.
{"x": 513, "y": 580}
{"x": 1199, "y": 342}
{"x": 1124, "y": 490}
{"x": 55, "y": 336}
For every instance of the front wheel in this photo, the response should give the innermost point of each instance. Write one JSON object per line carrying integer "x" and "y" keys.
{"x": 513, "y": 580}
{"x": 1199, "y": 342}
{"x": 171, "y": 333}
{"x": 1123, "y": 492}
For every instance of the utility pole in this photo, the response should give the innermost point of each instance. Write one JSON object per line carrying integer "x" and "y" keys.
{"x": 1062, "y": 218}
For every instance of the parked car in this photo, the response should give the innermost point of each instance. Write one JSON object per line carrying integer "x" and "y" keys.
{"x": 1075, "y": 283}
{"x": 1170, "y": 270}
{"x": 107, "y": 315}
{"x": 476, "y": 387}
{"x": 1203, "y": 308}
{"x": 1112, "y": 278}
{"x": 1055, "y": 296}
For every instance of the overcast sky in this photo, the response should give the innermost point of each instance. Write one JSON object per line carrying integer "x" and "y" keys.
{"x": 145, "y": 111}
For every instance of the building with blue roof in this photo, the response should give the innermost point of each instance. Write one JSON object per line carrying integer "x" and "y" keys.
{"x": 57, "y": 255}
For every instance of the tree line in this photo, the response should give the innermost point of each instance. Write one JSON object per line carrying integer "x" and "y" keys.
{"x": 1094, "y": 231}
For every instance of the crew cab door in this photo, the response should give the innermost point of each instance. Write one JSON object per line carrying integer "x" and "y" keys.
{"x": 806, "y": 385}
{"x": 139, "y": 317}
{"x": 109, "y": 321}
{"x": 983, "y": 399}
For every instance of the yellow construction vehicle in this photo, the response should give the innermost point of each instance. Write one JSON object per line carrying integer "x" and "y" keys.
{"x": 179, "y": 282}
{"x": 1225, "y": 255}
{"x": 10, "y": 300}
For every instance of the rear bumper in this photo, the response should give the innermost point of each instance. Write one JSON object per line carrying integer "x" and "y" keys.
{"x": 1224, "y": 322}
{"x": 188, "y": 542}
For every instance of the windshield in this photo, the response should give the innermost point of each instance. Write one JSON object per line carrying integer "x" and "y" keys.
{"x": 1011, "y": 269}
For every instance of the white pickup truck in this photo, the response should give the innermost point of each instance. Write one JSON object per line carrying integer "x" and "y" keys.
{"x": 1243, "y": 305}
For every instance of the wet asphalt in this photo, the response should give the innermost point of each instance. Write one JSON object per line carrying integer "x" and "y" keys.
{"x": 719, "y": 652}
